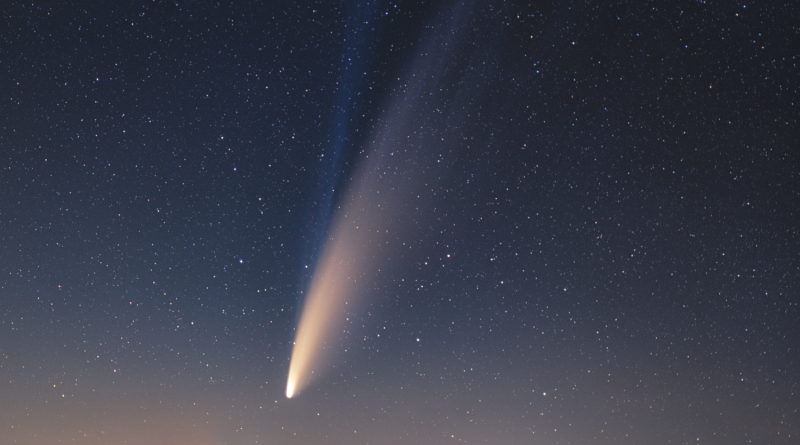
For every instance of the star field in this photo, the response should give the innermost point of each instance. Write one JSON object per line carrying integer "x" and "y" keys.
{"x": 581, "y": 218}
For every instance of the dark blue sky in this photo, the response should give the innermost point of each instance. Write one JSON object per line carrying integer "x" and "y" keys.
{"x": 593, "y": 211}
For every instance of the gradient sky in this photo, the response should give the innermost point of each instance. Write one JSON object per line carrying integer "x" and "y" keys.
{"x": 586, "y": 219}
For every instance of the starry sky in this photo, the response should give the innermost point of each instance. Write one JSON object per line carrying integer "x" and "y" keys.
{"x": 583, "y": 220}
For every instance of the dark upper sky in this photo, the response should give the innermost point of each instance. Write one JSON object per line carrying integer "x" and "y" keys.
{"x": 594, "y": 219}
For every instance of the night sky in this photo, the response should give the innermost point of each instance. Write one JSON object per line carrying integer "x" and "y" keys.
{"x": 582, "y": 221}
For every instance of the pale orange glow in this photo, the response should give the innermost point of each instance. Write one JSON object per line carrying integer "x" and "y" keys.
{"x": 112, "y": 424}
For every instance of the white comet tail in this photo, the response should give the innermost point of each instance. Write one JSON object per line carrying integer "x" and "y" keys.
{"x": 325, "y": 309}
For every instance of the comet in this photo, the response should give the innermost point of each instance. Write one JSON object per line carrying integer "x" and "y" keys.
{"x": 373, "y": 214}
{"x": 332, "y": 293}
{"x": 337, "y": 288}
